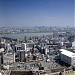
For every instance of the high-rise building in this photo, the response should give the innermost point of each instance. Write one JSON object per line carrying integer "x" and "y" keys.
{"x": 21, "y": 55}
{"x": 23, "y": 46}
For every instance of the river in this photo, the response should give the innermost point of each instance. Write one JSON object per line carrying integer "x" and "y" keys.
{"x": 21, "y": 35}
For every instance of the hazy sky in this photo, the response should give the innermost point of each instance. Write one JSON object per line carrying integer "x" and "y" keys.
{"x": 36, "y": 12}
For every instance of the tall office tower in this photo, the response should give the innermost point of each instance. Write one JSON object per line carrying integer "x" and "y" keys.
{"x": 21, "y": 55}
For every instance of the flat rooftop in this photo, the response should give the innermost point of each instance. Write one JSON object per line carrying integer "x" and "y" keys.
{"x": 67, "y": 53}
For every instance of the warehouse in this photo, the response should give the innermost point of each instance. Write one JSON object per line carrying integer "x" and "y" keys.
{"x": 67, "y": 56}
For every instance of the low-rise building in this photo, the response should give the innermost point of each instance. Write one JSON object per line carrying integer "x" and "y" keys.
{"x": 9, "y": 58}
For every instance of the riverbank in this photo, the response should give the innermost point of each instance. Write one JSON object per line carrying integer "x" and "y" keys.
{"x": 29, "y": 32}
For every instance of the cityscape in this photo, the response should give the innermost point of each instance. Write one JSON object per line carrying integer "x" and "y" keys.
{"x": 43, "y": 29}
{"x": 37, "y": 37}
{"x": 51, "y": 54}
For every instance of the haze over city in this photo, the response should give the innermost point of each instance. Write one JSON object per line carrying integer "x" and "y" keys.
{"x": 22, "y": 13}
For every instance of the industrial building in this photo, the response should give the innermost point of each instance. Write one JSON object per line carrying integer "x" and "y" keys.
{"x": 67, "y": 57}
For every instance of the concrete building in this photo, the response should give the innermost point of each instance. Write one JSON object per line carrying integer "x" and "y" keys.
{"x": 1, "y": 55}
{"x": 21, "y": 55}
{"x": 1, "y": 50}
{"x": 23, "y": 46}
{"x": 9, "y": 58}
{"x": 67, "y": 57}
{"x": 27, "y": 46}
{"x": 3, "y": 45}
{"x": 2, "y": 40}
{"x": 17, "y": 47}
{"x": 6, "y": 67}
{"x": 73, "y": 45}
{"x": 6, "y": 46}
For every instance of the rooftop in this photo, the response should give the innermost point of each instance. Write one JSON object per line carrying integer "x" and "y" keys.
{"x": 1, "y": 49}
{"x": 67, "y": 53}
